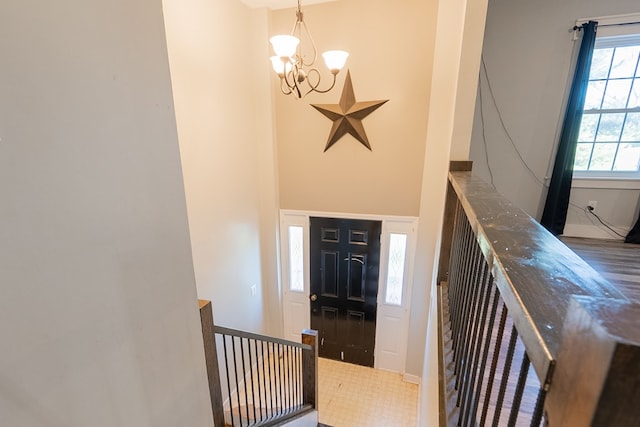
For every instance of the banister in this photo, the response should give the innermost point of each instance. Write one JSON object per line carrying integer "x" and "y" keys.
{"x": 537, "y": 275}
{"x": 249, "y": 335}
{"x": 578, "y": 332}
{"x": 256, "y": 379}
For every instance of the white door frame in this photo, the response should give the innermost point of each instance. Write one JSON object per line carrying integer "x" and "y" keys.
{"x": 392, "y": 324}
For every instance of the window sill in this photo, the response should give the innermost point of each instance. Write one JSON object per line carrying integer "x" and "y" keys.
{"x": 606, "y": 183}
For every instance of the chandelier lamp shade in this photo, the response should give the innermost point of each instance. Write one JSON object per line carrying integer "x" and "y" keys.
{"x": 297, "y": 73}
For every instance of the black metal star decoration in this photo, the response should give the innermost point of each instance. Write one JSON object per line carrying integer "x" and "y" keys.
{"x": 347, "y": 115}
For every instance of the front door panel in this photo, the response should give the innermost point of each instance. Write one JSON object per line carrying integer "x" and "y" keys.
{"x": 344, "y": 264}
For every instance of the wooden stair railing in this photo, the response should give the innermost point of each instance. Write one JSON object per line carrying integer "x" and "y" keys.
{"x": 255, "y": 380}
{"x": 529, "y": 333}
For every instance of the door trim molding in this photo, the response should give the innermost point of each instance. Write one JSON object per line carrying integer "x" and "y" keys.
{"x": 346, "y": 215}
{"x": 405, "y": 222}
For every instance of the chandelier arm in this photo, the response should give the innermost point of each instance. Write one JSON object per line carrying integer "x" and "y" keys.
{"x": 295, "y": 28}
{"x": 313, "y": 46}
{"x": 313, "y": 71}
{"x": 314, "y": 87}
{"x": 293, "y": 86}
{"x": 283, "y": 85}
{"x": 291, "y": 74}
{"x": 333, "y": 83}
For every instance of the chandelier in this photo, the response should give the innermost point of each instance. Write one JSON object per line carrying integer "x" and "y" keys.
{"x": 297, "y": 73}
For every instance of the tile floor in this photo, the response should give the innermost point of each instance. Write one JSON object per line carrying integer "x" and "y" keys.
{"x": 356, "y": 396}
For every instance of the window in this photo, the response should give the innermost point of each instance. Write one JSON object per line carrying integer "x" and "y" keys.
{"x": 395, "y": 268}
{"x": 296, "y": 258}
{"x": 609, "y": 139}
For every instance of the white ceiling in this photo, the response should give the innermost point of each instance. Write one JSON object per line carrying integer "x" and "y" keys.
{"x": 280, "y": 4}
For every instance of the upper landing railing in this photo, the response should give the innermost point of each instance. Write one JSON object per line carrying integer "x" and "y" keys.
{"x": 529, "y": 330}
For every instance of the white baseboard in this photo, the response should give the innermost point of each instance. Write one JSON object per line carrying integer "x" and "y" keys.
{"x": 413, "y": 379}
{"x": 592, "y": 232}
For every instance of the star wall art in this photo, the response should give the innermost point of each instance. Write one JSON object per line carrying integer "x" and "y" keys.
{"x": 347, "y": 115}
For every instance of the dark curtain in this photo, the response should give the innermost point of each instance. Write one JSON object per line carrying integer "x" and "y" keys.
{"x": 554, "y": 215}
{"x": 634, "y": 234}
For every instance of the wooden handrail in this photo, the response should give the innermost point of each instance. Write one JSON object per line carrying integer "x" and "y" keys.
{"x": 578, "y": 331}
{"x": 251, "y": 335}
{"x": 537, "y": 274}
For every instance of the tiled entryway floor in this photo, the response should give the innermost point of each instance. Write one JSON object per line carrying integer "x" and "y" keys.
{"x": 356, "y": 396}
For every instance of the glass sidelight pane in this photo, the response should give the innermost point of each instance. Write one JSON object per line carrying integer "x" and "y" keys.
{"x": 296, "y": 258}
{"x": 395, "y": 269}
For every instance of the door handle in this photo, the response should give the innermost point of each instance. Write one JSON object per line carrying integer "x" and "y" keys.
{"x": 313, "y": 297}
{"x": 355, "y": 259}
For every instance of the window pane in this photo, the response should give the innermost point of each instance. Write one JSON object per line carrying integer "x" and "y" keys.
{"x": 624, "y": 62}
{"x": 296, "y": 259}
{"x": 609, "y": 138}
{"x": 631, "y": 127}
{"x": 395, "y": 269}
{"x": 600, "y": 63}
{"x": 617, "y": 93}
{"x": 595, "y": 90}
{"x": 628, "y": 157}
{"x": 610, "y": 127}
{"x": 634, "y": 97}
{"x": 588, "y": 127}
{"x": 602, "y": 158}
{"x": 583, "y": 152}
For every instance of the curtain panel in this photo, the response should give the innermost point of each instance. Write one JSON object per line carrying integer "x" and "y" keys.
{"x": 554, "y": 215}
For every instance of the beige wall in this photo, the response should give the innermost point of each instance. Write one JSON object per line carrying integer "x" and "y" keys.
{"x": 98, "y": 315}
{"x": 391, "y": 51}
{"x": 457, "y": 56}
{"x": 223, "y": 107}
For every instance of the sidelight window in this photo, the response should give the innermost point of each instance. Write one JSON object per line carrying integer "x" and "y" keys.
{"x": 395, "y": 268}
{"x": 296, "y": 258}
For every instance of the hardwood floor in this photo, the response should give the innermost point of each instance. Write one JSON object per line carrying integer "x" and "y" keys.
{"x": 616, "y": 261}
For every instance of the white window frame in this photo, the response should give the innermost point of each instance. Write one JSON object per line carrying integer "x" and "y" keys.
{"x": 609, "y": 29}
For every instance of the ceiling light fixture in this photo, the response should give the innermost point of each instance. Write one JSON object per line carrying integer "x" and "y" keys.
{"x": 297, "y": 74}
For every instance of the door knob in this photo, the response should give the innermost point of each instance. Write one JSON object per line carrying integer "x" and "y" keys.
{"x": 313, "y": 297}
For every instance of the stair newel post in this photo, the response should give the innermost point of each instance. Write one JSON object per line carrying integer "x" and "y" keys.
{"x": 310, "y": 368}
{"x": 211, "y": 358}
